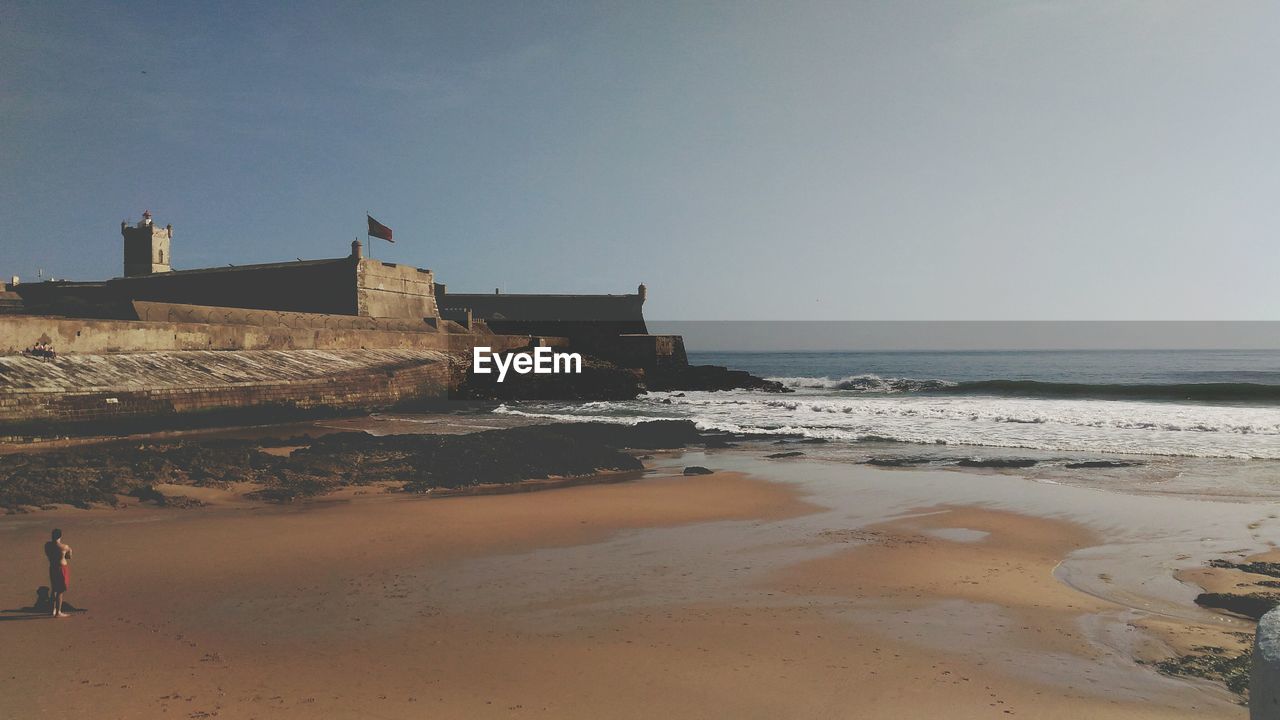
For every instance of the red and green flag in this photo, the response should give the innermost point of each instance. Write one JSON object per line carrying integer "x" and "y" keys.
{"x": 378, "y": 230}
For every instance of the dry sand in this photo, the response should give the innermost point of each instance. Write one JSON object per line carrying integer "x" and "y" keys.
{"x": 712, "y": 596}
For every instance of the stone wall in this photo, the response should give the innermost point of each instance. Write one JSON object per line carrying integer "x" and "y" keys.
{"x": 313, "y": 286}
{"x": 351, "y": 286}
{"x": 579, "y": 313}
{"x": 388, "y": 290}
{"x": 74, "y": 390}
{"x": 176, "y": 312}
{"x": 592, "y": 323}
{"x": 75, "y": 335}
{"x": 643, "y": 351}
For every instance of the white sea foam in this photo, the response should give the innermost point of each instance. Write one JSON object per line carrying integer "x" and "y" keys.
{"x": 864, "y": 383}
{"x": 1157, "y": 428}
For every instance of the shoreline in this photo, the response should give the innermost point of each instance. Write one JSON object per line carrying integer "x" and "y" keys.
{"x": 630, "y": 585}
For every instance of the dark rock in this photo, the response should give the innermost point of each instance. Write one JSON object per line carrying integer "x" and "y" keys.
{"x": 793, "y": 453}
{"x": 1101, "y": 464}
{"x": 96, "y": 474}
{"x": 997, "y": 462}
{"x": 697, "y": 470}
{"x": 813, "y": 441}
{"x": 1250, "y": 605}
{"x": 604, "y": 380}
{"x": 150, "y": 494}
{"x": 1211, "y": 663}
{"x": 900, "y": 461}
{"x": 707, "y": 377}
{"x": 1258, "y": 568}
{"x": 599, "y": 380}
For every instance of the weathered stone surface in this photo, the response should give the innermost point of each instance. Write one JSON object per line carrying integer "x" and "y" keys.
{"x": 159, "y": 370}
{"x": 93, "y": 390}
{"x": 1264, "y": 676}
{"x": 167, "y": 326}
{"x": 389, "y": 290}
{"x": 698, "y": 470}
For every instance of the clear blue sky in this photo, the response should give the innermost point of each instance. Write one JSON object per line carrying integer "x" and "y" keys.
{"x": 894, "y": 160}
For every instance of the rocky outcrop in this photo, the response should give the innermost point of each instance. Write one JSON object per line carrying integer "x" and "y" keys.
{"x": 137, "y": 392}
{"x": 604, "y": 380}
{"x": 418, "y": 463}
{"x": 1264, "y": 680}
{"x": 708, "y": 377}
{"x": 1250, "y": 605}
{"x": 599, "y": 380}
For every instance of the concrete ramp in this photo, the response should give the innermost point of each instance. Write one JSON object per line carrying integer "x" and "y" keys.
{"x": 86, "y": 389}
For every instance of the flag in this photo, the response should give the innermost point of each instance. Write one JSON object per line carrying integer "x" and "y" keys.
{"x": 378, "y": 230}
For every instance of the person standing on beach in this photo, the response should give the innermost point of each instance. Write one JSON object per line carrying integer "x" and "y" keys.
{"x": 59, "y": 555}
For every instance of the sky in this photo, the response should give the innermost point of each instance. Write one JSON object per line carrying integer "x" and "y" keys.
{"x": 972, "y": 335}
{"x": 896, "y": 160}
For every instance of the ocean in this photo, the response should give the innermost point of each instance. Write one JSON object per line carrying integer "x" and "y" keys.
{"x": 1195, "y": 403}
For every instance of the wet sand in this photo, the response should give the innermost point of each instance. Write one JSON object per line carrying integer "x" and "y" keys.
{"x": 828, "y": 590}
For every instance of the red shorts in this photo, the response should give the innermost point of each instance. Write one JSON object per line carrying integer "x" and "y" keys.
{"x": 59, "y": 578}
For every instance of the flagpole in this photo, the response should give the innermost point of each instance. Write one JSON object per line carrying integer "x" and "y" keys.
{"x": 368, "y": 239}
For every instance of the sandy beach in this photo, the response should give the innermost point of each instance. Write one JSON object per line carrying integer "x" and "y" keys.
{"x": 874, "y": 360}
{"x": 767, "y": 589}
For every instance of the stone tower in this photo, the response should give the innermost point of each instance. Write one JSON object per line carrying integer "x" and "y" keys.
{"x": 146, "y": 247}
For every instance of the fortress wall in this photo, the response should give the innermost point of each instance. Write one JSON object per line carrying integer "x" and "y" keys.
{"x": 620, "y": 313}
{"x": 647, "y": 351}
{"x": 76, "y": 335}
{"x": 388, "y": 290}
{"x": 174, "y": 312}
{"x": 111, "y": 388}
{"x": 350, "y": 286}
{"x": 314, "y": 286}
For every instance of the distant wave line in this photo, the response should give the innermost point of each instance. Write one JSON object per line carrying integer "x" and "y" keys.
{"x": 1258, "y": 393}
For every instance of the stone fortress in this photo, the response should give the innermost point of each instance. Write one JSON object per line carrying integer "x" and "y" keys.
{"x": 349, "y": 332}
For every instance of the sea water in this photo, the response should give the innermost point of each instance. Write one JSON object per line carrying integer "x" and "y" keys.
{"x": 1198, "y": 403}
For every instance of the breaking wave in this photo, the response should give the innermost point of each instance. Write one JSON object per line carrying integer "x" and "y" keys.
{"x": 1247, "y": 393}
{"x": 946, "y": 418}
{"x": 865, "y": 383}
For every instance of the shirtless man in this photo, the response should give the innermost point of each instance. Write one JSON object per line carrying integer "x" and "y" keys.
{"x": 58, "y": 553}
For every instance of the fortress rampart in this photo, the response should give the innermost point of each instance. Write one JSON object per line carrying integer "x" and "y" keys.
{"x": 188, "y": 327}
{"x": 353, "y": 286}
{"x": 355, "y": 333}
{"x": 168, "y": 387}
